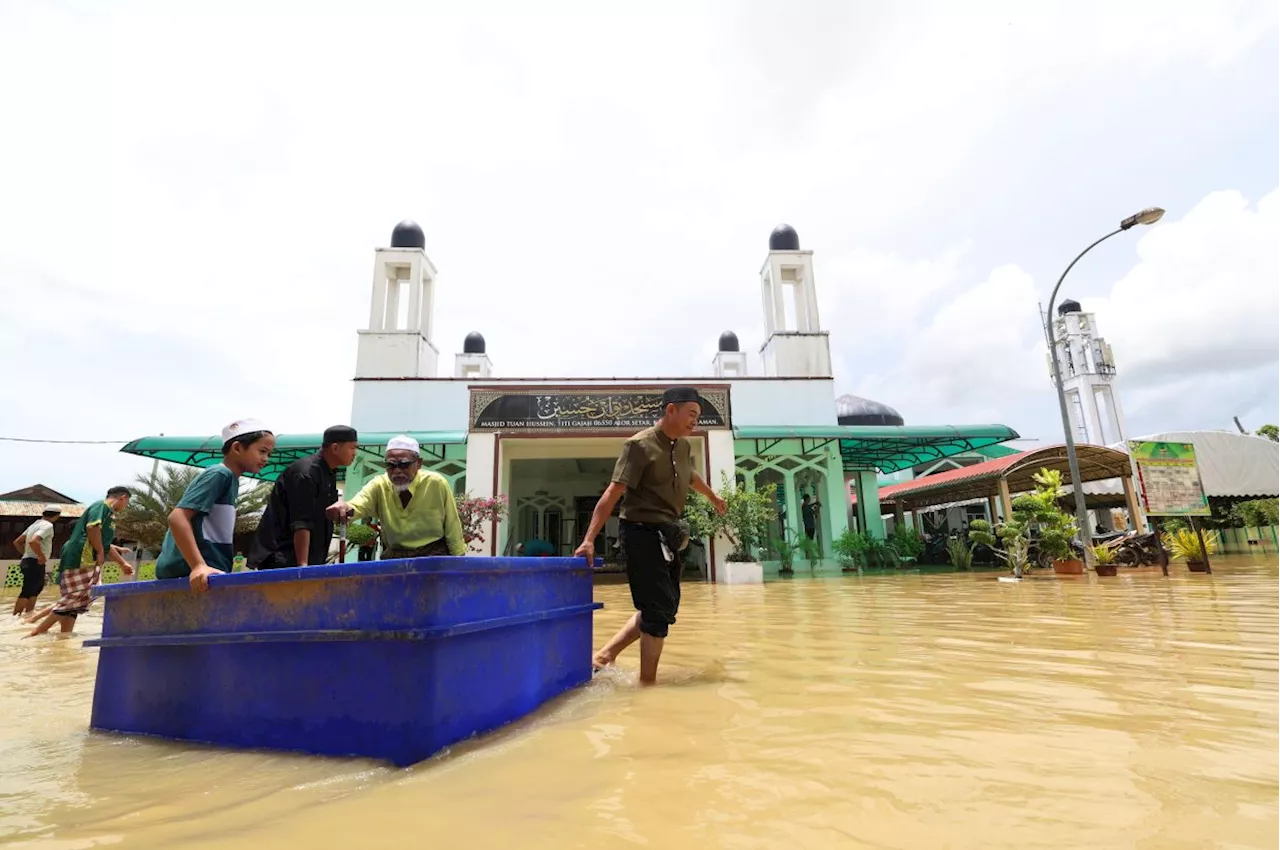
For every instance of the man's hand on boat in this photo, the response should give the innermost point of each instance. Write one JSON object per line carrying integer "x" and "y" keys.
{"x": 587, "y": 549}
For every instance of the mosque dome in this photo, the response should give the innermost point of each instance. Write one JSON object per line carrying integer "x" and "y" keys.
{"x": 1069, "y": 306}
{"x": 729, "y": 341}
{"x": 408, "y": 235}
{"x": 473, "y": 344}
{"x": 784, "y": 238}
{"x": 855, "y": 410}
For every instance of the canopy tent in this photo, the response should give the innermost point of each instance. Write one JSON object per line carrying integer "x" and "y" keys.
{"x": 207, "y": 451}
{"x": 887, "y": 448}
{"x": 982, "y": 480}
{"x": 1232, "y": 466}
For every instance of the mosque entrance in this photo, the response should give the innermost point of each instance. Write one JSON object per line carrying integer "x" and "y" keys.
{"x": 552, "y": 485}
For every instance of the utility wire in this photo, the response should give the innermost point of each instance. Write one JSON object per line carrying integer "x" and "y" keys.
{"x": 64, "y": 442}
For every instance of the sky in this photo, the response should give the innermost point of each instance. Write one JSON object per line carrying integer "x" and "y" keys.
{"x": 192, "y": 197}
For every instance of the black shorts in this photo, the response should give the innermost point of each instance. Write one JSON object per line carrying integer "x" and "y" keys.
{"x": 655, "y": 583}
{"x": 32, "y": 578}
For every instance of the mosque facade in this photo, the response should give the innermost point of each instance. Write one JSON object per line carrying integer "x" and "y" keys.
{"x": 548, "y": 444}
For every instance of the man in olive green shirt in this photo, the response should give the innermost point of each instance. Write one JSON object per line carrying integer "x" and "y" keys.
{"x": 654, "y": 471}
{"x": 414, "y": 506}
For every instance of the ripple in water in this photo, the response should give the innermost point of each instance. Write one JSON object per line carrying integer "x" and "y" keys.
{"x": 892, "y": 712}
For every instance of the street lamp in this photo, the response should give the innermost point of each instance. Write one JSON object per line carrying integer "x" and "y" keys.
{"x": 1148, "y": 216}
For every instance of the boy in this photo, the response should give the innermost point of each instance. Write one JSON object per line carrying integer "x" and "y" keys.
{"x": 36, "y": 545}
{"x": 199, "y": 542}
{"x": 80, "y": 567}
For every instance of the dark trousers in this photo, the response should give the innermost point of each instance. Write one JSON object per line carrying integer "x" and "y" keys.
{"x": 654, "y": 581}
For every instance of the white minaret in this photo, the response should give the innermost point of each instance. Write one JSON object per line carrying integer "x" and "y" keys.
{"x": 729, "y": 362}
{"x": 1088, "y": 376}
{"x": 397, "y": 343}
{"x": 795, "y": 344}
{"x": 472, "y": 362}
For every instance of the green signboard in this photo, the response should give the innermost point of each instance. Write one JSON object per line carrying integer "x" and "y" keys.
{"x": 1169, "y": 479}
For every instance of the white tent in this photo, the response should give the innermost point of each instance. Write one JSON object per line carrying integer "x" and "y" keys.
{"x": 1231, "y": 464}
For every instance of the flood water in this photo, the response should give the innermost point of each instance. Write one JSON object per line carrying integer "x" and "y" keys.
{"x": 941, "y": 711}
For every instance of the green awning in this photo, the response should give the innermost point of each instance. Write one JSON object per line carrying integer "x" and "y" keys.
{"x": 207, "y": 451}
{"x": 887, "y": 448}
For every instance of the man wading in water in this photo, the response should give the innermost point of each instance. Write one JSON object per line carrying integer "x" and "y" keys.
{"x": 654, "y": 472}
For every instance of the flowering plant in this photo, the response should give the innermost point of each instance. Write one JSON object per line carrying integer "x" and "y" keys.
{"x": 477, "y": 511}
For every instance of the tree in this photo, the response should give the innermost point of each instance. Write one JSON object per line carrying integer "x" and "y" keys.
{"x": 146, "y": 519}
{"x": 1271, "y": 432}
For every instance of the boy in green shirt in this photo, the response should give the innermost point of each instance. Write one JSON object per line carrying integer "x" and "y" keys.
{"x": 199, "y": 542}
{"x": 80, "y": 567}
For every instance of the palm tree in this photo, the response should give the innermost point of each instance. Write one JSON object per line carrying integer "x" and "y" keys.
{"x": 146, "y": 519}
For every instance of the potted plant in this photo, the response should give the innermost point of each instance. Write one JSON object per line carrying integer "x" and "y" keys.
{"x": 786, "y": 554}
{"x": 1055, "y": 527}
{"x": 475, "y": 512}
{"x": 1183, "y": 544}
{"x": 1104, "y": 560}
{"x": 906, "y": 543}
{"x": 810, "y": 550}
{"x": 745, "y": 524}
{"x": 851, "y": 550}
{"x": 1009, "y": 542}
{"x": 960, "y": 552}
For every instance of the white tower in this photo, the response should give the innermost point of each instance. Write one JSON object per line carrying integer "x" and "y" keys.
{"x": 472, "y": 362}
{"x": 397, "y": 343}
{"x": 1088, "y": 376}
{"x": 729, "y": 361}
{"x": 795, "y": 344}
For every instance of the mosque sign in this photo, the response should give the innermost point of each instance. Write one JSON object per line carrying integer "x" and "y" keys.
{"x": 581, "y": 409}
{"x": 1169, "y": 479}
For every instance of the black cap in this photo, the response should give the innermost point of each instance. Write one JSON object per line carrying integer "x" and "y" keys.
{"x": 340, "y": 434}
{"x": 680, "y": 395}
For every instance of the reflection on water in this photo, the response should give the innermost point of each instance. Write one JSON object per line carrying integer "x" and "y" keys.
{"x": 889, "y": 712}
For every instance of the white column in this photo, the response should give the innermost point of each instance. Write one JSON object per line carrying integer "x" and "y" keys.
{"x": 836, "y": 509}
{"x": 794, "y": 521}
{"x": 480, "y": 466}
{"x": 720, "y": 448}
{"x": 378, "y": 306}
{"x": 414, "y": 278}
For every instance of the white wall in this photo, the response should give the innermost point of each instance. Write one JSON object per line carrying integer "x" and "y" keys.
{"x": 442, "y": 405}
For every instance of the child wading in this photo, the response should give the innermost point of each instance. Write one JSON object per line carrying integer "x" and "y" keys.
{"x": 199, "y": 542}
{"x": 80, "y": 566}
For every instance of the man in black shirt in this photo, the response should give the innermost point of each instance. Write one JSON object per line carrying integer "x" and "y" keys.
{"x": 294, "y": 531}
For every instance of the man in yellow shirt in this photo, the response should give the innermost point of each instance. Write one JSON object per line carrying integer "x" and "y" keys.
{"x": 414, "y": 506}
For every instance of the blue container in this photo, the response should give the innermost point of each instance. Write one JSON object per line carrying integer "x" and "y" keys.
{"x": 392, "y": 660}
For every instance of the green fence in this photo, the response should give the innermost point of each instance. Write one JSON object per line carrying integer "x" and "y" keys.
{"x": 1248, "y": 541}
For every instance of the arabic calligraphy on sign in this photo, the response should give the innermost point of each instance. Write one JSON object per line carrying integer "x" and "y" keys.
{"x": 583, "y": 410}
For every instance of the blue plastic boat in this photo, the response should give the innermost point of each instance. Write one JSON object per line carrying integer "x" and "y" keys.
{"x": 392, "y": 660}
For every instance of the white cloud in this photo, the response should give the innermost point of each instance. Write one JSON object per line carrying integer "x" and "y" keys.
{"x": 1195, "y": 317}
{"x": 1203, "y": 299}
{"x": 199, "y": 193}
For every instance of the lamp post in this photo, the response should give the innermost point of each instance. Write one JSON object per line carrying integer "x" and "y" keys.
{"x": 1148, "y": 216}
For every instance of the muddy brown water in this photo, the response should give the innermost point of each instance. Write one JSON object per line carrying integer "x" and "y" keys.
{"x": 932, "y": 711}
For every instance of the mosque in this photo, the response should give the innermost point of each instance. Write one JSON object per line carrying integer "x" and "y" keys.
{"x": 549, "y": 445}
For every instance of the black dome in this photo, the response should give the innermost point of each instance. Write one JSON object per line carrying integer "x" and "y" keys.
{"x": 473, "y": 344}
{"x": 729, "y": 341}
{"x": 784, "y": 238}
{"x": 854, "y": 410}
{"x": 408, "y": 235}
{"x": 1069, "y": 306}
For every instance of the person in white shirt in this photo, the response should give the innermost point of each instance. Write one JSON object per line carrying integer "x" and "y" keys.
{"x": 36, "y": 545}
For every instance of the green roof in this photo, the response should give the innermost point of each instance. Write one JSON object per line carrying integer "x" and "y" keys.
{"x": 207, "y": 451}
{"x": 887, "y": 448}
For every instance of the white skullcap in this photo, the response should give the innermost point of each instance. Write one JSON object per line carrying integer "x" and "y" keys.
{"x": 242, "y": 426}
{"x": 404, "y": 442}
